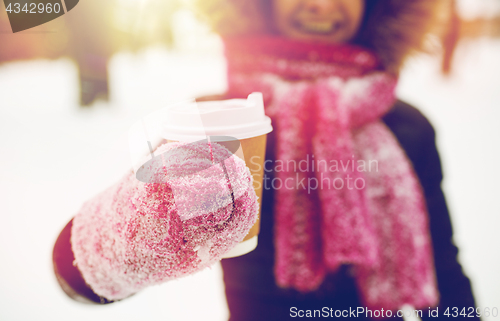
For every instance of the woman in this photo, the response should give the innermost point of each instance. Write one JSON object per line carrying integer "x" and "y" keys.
{"x": 327, "y": 69}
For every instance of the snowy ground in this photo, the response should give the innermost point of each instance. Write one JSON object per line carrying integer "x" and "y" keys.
{"x": 54, "y": 156}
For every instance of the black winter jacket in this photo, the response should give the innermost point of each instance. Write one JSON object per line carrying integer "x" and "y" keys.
{"x": 251, "y": 290}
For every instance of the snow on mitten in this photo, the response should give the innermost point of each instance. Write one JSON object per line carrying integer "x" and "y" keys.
{"x": 198, "y": 205}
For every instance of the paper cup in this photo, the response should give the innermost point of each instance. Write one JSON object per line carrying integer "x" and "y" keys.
{"x": 238, "y": 124}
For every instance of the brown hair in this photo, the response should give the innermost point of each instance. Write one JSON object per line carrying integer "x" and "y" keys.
{"x": 392, "y": 28}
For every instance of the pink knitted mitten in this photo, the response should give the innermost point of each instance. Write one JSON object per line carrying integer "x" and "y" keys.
{"x": 137, "y": 234}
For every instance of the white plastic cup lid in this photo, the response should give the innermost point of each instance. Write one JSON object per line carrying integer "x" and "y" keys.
{"x": 237, "y": 118}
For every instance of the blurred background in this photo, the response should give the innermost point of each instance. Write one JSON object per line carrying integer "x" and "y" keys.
{"x": 71, "y": 88}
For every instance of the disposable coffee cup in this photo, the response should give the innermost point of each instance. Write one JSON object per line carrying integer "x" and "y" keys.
{"x": 238, "y": 124}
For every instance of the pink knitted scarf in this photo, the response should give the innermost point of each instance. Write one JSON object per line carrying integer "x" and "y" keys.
{"x": 346, "y": 193}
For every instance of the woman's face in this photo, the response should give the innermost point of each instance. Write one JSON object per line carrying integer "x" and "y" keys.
{"x": 333, "y": 21}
